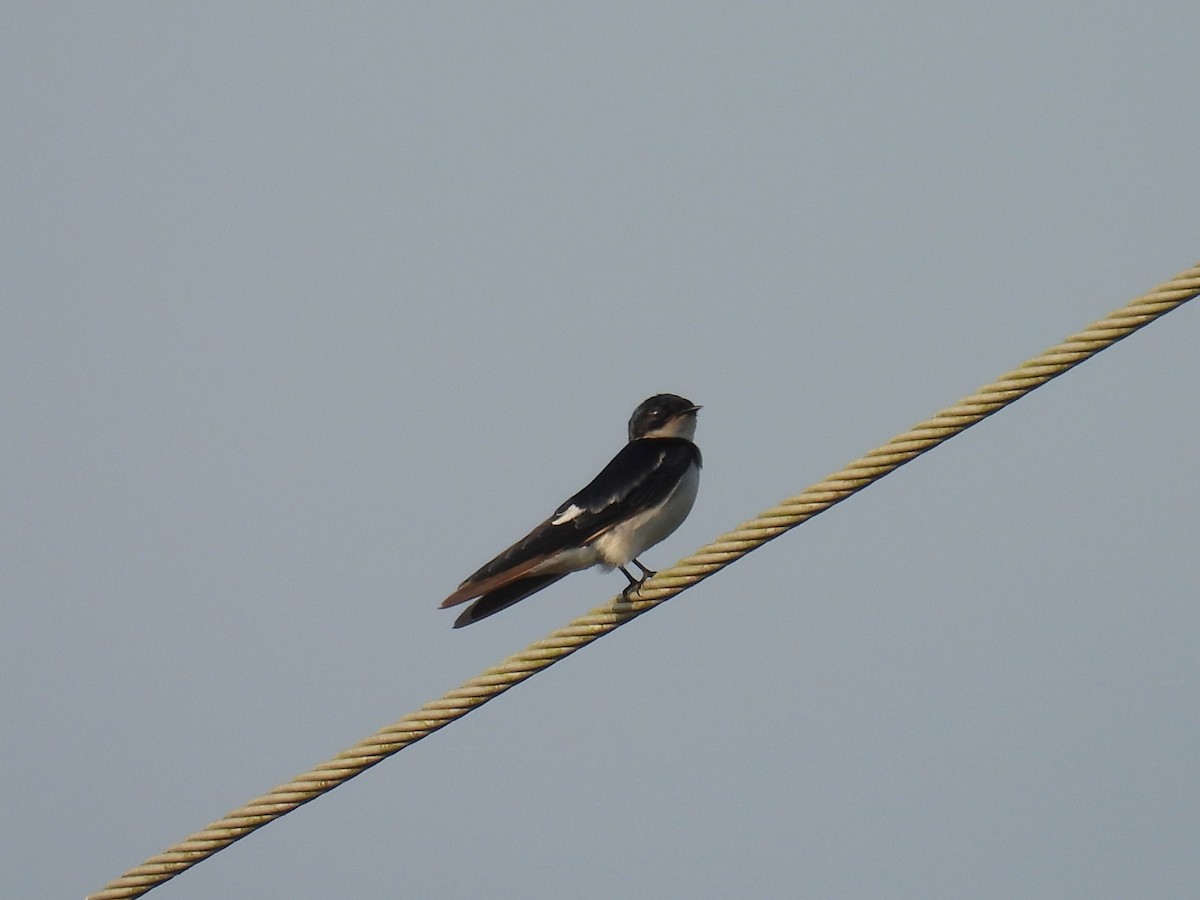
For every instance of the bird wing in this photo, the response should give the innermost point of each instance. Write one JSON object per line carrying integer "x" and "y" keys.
{"x": 639, "y": 477}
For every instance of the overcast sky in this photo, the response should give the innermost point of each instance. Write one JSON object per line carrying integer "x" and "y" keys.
{"x": 310, "y": 310}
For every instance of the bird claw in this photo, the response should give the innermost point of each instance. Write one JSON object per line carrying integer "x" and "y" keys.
{"x": 635, "y": 584}
{"x": 635, "y": 587}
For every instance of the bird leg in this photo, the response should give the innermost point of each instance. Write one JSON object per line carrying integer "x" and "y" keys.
{"x": 646, "y": 573}
{"x": 635, "y": 584}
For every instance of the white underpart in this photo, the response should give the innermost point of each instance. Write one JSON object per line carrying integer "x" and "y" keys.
{"x": 572, "y": 560}
{"x": 632, "y": 538}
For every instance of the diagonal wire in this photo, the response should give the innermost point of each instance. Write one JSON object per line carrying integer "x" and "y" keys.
{"x": 688, "y": 571}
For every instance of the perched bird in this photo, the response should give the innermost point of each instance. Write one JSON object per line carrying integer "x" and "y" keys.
{"x": 637, "y": 500}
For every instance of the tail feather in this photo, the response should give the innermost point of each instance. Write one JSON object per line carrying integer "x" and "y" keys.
{"x": 504, "y": 597}
{"x": 476, "y": 586}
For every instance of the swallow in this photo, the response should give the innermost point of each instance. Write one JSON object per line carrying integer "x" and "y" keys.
{"x": 636, "y": 501}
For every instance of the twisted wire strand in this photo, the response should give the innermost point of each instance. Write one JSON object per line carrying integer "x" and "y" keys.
{"x": 711, "y": 558}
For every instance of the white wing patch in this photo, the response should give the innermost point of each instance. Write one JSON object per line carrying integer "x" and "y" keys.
{"x": 571, "y": 512}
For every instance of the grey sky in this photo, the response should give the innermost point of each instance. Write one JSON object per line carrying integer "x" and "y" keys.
{"x": 309, "y": 311}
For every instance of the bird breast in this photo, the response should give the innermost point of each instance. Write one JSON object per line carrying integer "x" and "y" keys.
{"x": 631, "y": 538}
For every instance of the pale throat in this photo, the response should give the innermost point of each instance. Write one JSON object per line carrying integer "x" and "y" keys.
{"x": 679, "y": 427}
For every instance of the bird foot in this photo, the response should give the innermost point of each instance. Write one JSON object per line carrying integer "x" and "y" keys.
{"x": 635, "y": 584}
